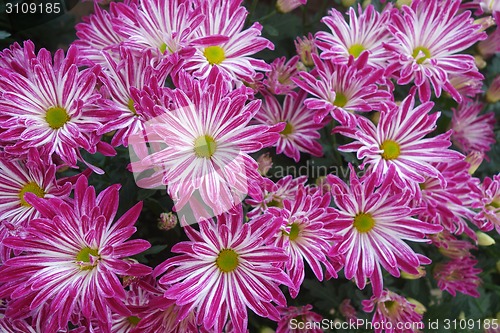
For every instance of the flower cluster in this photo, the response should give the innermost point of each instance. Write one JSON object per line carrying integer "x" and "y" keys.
{"x": 390, "y": 95}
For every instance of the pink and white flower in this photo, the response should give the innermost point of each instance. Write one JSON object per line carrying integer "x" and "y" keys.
{"x": 301, "y": 314}
{"x": 279, "y": 78}
{"x": 490, "y": 203}
{"x": 374, "y": 222}
{"x": 225, "y": 268}
{"x": 458, "y": 275}
{"x": 301, "y": 131}
{"x": 72, "y": 257}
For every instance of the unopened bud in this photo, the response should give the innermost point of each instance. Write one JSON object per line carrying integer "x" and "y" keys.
{"x": 265, "y": 163}
{"x": 474, "y": 159}
{"x": 419, "y": 307}
{"x": 167, "y": 221}
{"x": 484, "y": 239}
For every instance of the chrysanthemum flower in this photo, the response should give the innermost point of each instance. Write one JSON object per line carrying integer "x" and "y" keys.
{"x": 17, "y": 58}
{"x": 71, "y": 259}
{"x": 51, "y": 108}
{"x": 122, "y": 82}
{"x": 301, "y": 131}
{"x": 490, "y": 203}
{"x": 279, "y": 78}
{"x": 467, "y": 84}
{"x": 471, "y": 131}
{"x": 164, "y": 27}
{"x": 374, "y": 222}
{"x": 306, "y": 234}
{"x": 450, "y": 203}
{"x": 225, "y": 44}
{"x": 208, "y": 140}
{"x": 428, "y": 37}
{"x": 364, "y": 33}
{"x": 398, "y": 140}
{"x": 301, "y": 315}
{"x": 343, "y": 88}
{"x": 96, "y": 34}
{"x": 458, "y": 275}
{"x": 392, "y": 310}
{"x": 450, "y": 246}
{"x": 273, "y": 194}
{"x": 306, "y": 47}
{"x": 225, "y": 268}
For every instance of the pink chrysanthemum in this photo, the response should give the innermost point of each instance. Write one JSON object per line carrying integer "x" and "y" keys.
{"x": 306, "y": 234}
{"x": 123, "y": 81}
{"x": 225, "y": 268}
{"x": 71, "y": 259}
{"x": 374, "y": 223}
{"x": 231, "y": 47}
{"x": 97, "y": 35}
{"x": 364, "y": 33}
{"x": 208, "y": 140}
{"x": 467, "y": 84}
{"x": 450, "y": 203}
{"x": 51, "y": 108}
{"x": 273, "y": 194}
{"x": 398, "y": 140}
{"x": 458, "y": 275}
{"x": 450, "y": 246}
{"x": 298, "y": 315}
{"x": 490, "y": 203}
{"x": 471, "y": 131}
{"x": 343, "y": 88}
{"x": 301, "y": 131}
{"x": 162, "y": 26}
{"x": 306, "y": 47}
{"x": 392, "y": 310}
{"x": 17, "y": 58}
{"x": 428, "y": 36}
{"x": 279, "y": 78}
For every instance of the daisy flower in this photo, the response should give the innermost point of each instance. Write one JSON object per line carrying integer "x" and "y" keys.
{"x": 225, "y": 268}
{"x": 391, "y": 310}
{"x": 366, "y": 32}
{"x": 471, "y": 131}
{"x": 279, "y": 79}
{"x": 51, "y": 108}
{"x": 162, "y": 26}
{"x": 490, "y": 203}
{"x": 225, "y": 44}
{"x": 458, "y": 275}
{"x": 273, "y": 194}
{"x": 71, "y": 259}
{"x": 208, "y": 141}
{"x": 300, "y": 133}
{"x": 343, "y": 89}
{"x": 398, "y": 140}
{"x": 301, "y": 314}
{"x": 375, "y": 222}
{"x": 427, "y": 39}
{"x": 306, "y": 234}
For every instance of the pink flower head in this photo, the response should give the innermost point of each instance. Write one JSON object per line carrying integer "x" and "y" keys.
{"x": 343, "y": 89}
{"x": 306, "y": 234}
{"x": 471, "y": 131}
{"x": 458, "y": 275}
{"x": 427, "y": 37}
{"x": 279, "y": 79}
{"x": 391, "y": 310}
{"x": 17, "y": 58}
{"x": 225, "y": 268}
{"x": 306, "y": 47}
{"x": 467, "y": 84}
{"x": 224, "y": 44}
{"x": 398, "y": 140}
{"x": 208, "y": 141}
{"x": 72, "y": 257}
{"x": 301, "y": 314}
{"x": 490, "y": 203}
{"x": 374, "y": 222}
{"x": 364, "y": 33}
{"x": 51, "y": 108}
{"x": 450, "y": 246}
{"x": 301, "y": 131}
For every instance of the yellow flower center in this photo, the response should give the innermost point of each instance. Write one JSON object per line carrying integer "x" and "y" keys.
{"x": 364, "y": 222}
{"x": 227, "y": 260}
{"x": 214, "y": 54}
{"x": 356, "y": 49}
{"x": 131, "y": 107}
{"x": 56, "y": 117}
{"x": 133, "y": 320}
{"x": 83, "y": 257}
{"x": 340, "y": 100}
{"x": 294, "y": 231}
{"x": 31, "y": 187}
{"x": 494, "y": 204}
{"x": 204, "y": 146}
{"x": 424, "y": 50}
{"x": 391, "y": 149}
{"x": 287, "y": 130}
{"x": 275, "y": 203}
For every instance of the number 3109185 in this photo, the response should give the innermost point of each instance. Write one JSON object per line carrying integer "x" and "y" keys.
{"x": 32, "y": 8}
